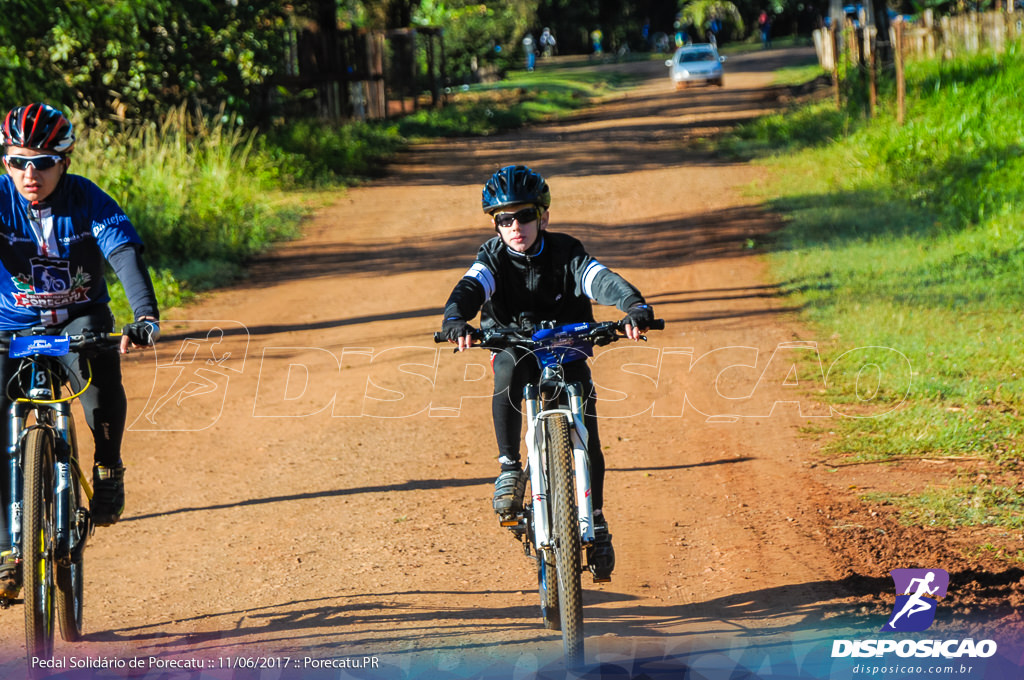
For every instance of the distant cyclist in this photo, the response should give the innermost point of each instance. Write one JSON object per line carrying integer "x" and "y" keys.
{"x": 527, "y": 274}
{"x": 58, "y": 231}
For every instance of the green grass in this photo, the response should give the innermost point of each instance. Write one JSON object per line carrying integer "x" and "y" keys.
{"x": 798, "y": 75}
{"x": 196, "y": 195}
{"x": 910, "y": 238}
{"x": 998, "y": 552}
{"x": 960, "y": 506}
{"x": 315, "y": 154}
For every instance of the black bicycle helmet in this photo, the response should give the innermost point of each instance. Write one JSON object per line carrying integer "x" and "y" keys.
{"x": 40, "y": 127}
{"x": 514, "y": 185}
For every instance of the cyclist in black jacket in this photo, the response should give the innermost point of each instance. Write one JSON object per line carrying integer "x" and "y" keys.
{"x": 527, "y": 274}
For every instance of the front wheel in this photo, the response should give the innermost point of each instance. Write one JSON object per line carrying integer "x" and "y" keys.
{"x": 37, "y": 544}
{"x": 566, "y": 538}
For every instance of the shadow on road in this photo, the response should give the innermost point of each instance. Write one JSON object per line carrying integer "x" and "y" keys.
{"x": 667, "y": 242}
{"x": 412, "y": 485}
{"x": 825, "y": 610}
{"x": 707, "y": 463}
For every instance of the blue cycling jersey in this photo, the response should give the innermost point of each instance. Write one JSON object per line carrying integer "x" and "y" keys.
{"x": 52, "y": 254}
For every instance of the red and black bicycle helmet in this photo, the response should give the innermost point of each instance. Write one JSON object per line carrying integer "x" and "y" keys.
{"x": 514, "y": 185}
{"x": 40, "y": 127}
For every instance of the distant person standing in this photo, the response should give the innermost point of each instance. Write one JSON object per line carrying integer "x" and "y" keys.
{"x": 529, "y": 47}
{"x": 764, "y": 23}
{"x": 596, "y": 37}
{"x": 680, "y": 34}
{"x": 713, "y": 29}
{"x": 547, "y": 43}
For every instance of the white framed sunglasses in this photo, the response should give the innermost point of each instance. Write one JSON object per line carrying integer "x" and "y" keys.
{"x": 37, "y": 162}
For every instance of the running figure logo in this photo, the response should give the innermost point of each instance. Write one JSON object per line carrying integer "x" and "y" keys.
{"x": 190, "y": 388}
{"x": 915, "y": 608}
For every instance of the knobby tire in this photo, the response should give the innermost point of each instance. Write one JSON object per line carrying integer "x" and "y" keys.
{"x": 547, "y": 575}
{"x": 37, "y": 540}
{"x": 566, "y": 538}
{"x": 70, "y": 577}
{"x": 547, "y": 578}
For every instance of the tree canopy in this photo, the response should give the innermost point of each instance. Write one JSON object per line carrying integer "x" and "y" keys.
{"x": 117, "y": 58}
{"x": 133, "y": 59}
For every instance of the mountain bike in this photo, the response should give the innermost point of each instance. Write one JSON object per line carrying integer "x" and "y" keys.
{"x": 558, "y": 524}
{"x": 48, "y": 517}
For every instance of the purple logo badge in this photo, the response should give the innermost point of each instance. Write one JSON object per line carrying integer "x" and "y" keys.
{"x": 917, "y": 594}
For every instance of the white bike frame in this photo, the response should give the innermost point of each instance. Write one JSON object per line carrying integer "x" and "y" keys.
{"x": 536, "y": 430}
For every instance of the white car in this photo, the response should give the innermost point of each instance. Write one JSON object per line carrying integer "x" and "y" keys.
{"x": 695, "y": 64}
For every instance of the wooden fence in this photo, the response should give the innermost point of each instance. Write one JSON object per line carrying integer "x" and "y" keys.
{"x": 926, "y": 37}
{"x": 345, "y": 75}
{"x": 963, "y": 33}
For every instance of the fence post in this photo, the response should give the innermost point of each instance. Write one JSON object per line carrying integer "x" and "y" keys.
{"x": 929, "y": 25}
{"x": 869, "y": 46}
{"x": 901, "y": 84}
{"x": 834, "y": 39}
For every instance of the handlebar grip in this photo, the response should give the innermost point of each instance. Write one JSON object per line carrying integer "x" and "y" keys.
{"x": 476, "y": 334}
{"x": 658, "y": 325}
{"x": 154, "y": 330}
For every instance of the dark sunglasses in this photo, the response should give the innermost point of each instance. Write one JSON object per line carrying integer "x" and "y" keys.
{"x": 37, "y": 162}
{"x": 521, "y": 216}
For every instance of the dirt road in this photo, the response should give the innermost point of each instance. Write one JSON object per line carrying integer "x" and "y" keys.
{"x": 310, "y": 477}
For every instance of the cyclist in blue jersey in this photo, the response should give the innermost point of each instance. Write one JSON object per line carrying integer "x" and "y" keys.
{"x": 527, "y": 274}
{"x": 57, "y": 232}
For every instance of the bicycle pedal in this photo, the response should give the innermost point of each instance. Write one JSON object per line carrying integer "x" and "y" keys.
{"x": 607, "y": 579}
{"x": 512, "y": 521}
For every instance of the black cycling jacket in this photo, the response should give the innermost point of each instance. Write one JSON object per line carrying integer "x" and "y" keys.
{"x": 556, "y": 281}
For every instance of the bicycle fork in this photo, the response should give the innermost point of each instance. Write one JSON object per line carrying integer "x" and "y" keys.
{"x": 536, "y": 432}
{"x": 581, "y": 461}
{"x": 16, "y": 423}
{"x": 63, "y": 480}
{"x": 65, "y": 543}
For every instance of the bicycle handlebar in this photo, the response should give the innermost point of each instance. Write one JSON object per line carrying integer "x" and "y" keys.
{"x": 78, "y": 342}
{"x": 599, "y": 333}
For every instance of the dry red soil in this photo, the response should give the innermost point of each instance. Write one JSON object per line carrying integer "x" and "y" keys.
{"x": 309, "y": 476}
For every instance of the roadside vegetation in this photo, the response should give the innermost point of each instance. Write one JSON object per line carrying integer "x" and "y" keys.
{"x": 910, "y": 239}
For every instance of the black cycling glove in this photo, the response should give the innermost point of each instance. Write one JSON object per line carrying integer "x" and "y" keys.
{"x": 454, "y": 328}
{"x": 640, "y": 316}
{"x": 142, "y": 333}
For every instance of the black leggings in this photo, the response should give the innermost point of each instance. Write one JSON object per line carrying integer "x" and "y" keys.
{"x": 104, "y": 403}
{"x": 513, "y": 369}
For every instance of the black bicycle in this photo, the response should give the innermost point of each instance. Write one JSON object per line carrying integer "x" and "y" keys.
{"x": 48, "y": 517}
{"x": 558, "y": 525}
